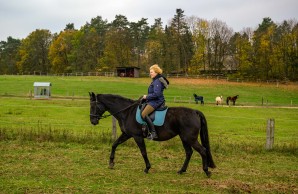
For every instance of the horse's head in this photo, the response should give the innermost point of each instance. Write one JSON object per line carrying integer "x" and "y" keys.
{"x": 96, "y": 109}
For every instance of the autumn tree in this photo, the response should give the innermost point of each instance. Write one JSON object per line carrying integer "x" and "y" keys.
{"x": 155, "y": 45}
{"x": 139, "y": 34}
{"x": 170, "y": 51}
{"x": 286, "y": 50}
{"x": 33, "y": 52}
{"x": 60, "y": 51}
{"x": 218, "y": 44}
{"x": 292, "y": 67}
{"x": 8, "y": 55}
{"x": 240, "y": 51}
{"x": 180, "y": 35}
{"x": 69, "y": 26}
{"x": 90, "y": 44}
{"x": 118, "y": 45}
{"x": 200, "y": 37}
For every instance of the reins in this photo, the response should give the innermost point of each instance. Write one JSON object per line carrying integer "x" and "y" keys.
{"x": 112, "y": 114}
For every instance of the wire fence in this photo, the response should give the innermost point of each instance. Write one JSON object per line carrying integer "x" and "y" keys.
{"x": 221, "y": 77}
{"x": 35, "y": 127}
{"x": 87, "y": 116}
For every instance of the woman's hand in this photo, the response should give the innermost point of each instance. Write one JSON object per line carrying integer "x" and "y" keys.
{"x": 145, "y": 96}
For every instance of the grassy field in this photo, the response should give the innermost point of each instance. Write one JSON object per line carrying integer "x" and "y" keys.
{"x": 49, "y": 146}
{"x": 78, "y": 87}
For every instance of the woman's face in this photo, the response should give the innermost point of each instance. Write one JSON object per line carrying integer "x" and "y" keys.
{"x": 152, "y": 73}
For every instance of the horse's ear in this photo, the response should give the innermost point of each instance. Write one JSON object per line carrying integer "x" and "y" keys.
{"x": 92, "y": 95}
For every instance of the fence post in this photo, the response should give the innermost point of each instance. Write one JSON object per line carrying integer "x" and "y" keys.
{"x": 270, "y": 134}
{"x": 114, "y": 128}
{"x": 262, "y": 101}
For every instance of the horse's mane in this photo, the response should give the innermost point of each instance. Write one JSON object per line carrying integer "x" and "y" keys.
{"x": 118, "y": 97}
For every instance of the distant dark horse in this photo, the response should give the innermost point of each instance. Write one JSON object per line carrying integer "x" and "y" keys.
{"x": 233, "y": 99}
{"x": 185, "y": 122}
{"x": 198, "y": 98}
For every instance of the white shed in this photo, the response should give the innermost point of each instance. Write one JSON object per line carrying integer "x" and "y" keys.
{"x": 42, "y": 90}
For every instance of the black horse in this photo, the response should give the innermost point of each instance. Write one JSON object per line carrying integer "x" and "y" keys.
{"x": 198, "y": 98}
{"x": 185, "y": 122}
{"x": 233, "y": 99}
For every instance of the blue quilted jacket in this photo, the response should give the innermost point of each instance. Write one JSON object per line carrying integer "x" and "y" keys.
{"x": 155, "y": 95}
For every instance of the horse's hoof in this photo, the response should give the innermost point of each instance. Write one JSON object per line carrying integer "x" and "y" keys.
{"x": 181, "y": 171}
{"x": 111, "y": 165}
{"x": 146, "y": 170}
{"x": 208, "y": 173}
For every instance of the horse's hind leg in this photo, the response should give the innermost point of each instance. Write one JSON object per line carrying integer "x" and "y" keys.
{"x": 188, "y": 154}
{"x": 123, "y": 137}
{"x": 202, "y": 151}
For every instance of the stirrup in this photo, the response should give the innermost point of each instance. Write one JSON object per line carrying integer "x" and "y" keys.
{"x": 144, "y": 128}
{"x": 151, "y": 137}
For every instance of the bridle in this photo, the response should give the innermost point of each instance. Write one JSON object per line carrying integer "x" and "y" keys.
{"x": 101, "y": 107}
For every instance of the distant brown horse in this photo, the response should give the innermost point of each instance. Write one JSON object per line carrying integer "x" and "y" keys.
{"x": 233, "y": 99}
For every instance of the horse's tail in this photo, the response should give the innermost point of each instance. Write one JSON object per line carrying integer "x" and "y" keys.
{"x": 205, "y": 139}
{"x": 228, "y": 98}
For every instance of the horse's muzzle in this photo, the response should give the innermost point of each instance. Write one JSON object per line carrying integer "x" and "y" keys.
{"x": 94, "y": 121}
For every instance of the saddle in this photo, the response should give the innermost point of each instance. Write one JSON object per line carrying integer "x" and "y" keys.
{"x": 157, "y": 116}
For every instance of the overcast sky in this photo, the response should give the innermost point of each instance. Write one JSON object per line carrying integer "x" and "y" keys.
{"x": 18, "y": 18}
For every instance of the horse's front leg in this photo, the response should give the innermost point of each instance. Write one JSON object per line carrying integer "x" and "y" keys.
{"x": 123, "y": 137}
{"x": 141, "y": 143}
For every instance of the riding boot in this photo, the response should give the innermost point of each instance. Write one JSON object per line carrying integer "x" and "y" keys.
{"x": 152, "y": 132}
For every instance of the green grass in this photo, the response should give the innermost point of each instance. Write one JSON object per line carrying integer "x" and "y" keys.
{"x": 49, "y": 146}
{"x": 249, "y": 94}
{"x": 53, "y": 167}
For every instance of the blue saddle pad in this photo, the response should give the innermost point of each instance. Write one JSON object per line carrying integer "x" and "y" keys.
{"x": 159, "y": 117}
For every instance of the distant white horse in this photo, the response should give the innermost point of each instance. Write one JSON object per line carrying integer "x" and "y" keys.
{"x": 218, "y": 100}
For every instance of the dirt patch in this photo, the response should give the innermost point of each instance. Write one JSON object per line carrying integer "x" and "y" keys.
{"x": 197, "y": 81}
{"x": 193, "y": 81}
{"x": 232, "y": 186}
{"x": 236, "y": 186}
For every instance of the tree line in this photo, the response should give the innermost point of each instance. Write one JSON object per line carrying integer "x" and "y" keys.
{"x": 187, "y": 45}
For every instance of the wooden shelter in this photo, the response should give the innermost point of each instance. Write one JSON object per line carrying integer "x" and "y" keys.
{"x": 128, "y": 71}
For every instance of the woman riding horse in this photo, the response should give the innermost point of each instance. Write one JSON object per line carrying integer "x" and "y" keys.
{"x": 154, "y": 98}
{"x": 188, "y": 124}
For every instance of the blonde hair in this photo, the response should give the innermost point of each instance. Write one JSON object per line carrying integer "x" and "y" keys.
{"x": 156, "y": 68}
